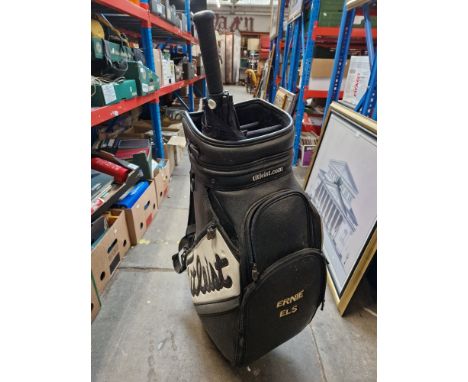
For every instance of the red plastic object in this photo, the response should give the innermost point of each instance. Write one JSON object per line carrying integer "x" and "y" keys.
{"x": 335, "y": 32}
{"x": 318, "y": 94}
{"x": 308, "y": 126}
{"x": 118, "y": 172}
{"x": 265, "y": 41}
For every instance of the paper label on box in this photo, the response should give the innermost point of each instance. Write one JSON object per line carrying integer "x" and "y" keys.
{"x": 357, "y": 80}
{"x": 144, "y": 87}
{"x": 108, "y": 92}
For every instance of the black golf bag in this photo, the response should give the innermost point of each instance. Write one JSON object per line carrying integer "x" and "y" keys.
{"x": 252, "y": 249}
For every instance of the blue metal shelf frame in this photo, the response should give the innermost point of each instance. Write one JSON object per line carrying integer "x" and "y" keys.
{"x": 147, "y": 42}
{"x": 189, "y": 51}
{"x": 274, "y": 86}
{"x": 298, "y": 41}
{"x": 306, "y": 68}
{"x": 285, "y": 55}
{"x": 368, "y": 103}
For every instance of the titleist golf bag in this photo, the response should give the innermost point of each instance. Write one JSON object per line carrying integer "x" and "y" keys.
{"x": 252, "y": 248}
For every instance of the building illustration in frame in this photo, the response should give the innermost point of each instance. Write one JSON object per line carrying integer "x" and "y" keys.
{"x": 333, "y": 197}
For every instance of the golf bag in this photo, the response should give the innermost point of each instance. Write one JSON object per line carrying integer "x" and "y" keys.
{"x": 252, "y": 248}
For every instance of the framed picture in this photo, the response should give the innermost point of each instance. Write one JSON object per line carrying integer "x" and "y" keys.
{"x": 342, "y": 184}
{"x": 295, "y": 9}
{"x": 285, "y": 100}
{"x": 275, "y": 10}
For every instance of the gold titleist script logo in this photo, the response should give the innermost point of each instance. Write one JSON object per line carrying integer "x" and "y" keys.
{"x": 288, "y": 301}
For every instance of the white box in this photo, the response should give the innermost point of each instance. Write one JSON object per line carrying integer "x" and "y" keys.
{"x": 357, "y": 80}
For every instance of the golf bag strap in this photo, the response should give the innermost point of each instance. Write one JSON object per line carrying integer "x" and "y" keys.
{"x": 188, "y": 241}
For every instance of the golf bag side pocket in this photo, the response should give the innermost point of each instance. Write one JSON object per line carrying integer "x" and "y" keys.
{"x": 280, "y": 303}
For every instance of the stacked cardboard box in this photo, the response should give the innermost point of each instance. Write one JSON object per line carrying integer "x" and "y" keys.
{"x": 307, "y": 148}
{"x": 141, "y": 214}
{"x": 161, "y": 179}
{"x": 95, "y": 300}
{"x": 110, "y": 248}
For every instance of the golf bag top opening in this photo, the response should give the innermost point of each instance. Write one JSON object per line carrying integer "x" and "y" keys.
{"x": 225, "y": 164}
{"x": 258, "y": 120}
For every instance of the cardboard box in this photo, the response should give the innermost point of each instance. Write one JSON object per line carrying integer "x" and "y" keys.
{"x": 110, "y": 249}
{"x": 170, "y": 154}
{"x": 179, "y": 144}
{"x": 253, "y": 44}
{"x": 321, "y": 72}
{"x": 161, "y": 180}
{"x": 158, "y": 64}
{"x": 140, "y": 216}
{"x": 168, "y": 71}
{"x": 307, "y": 148}
{"x": 95, "y": 301}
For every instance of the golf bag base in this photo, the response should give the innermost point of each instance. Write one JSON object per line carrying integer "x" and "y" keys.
{"x": 252, "y": 248}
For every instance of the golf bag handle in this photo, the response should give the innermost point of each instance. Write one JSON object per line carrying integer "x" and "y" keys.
{"x": 209, "y": 49}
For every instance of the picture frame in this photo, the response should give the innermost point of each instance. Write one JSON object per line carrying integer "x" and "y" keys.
{"x": 285, "y": 100}
{"x": 341, "y": 182}
{"x": 295, "y": 9}
{"x": 274, "y": 19}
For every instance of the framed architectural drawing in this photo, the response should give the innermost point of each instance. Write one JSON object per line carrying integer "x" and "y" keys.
{"x": 342, "y": 185}
{"x": 295, "y": 9}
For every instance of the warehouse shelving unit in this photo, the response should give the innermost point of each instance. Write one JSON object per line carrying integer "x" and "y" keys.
{"x": 138, "y": 22}
{"x": 298, "y": 41}
{"x": 368, "y": 103}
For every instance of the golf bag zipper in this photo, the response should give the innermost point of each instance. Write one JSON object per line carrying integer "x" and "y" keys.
{"x": 251, "y": 274}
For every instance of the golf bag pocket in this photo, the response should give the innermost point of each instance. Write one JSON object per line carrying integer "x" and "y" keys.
{"x": 269, "y": 234}
{"x": 280, "y": 303}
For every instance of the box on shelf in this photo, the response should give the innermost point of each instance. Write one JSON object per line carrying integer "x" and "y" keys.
{"x": 141, "y": 214}
{"x": 170, "y": 155}
{"x": 107, "y": 94}
{"x": 253, "y": 44}
{"x": 307, "y": 148}
{"x": 331, "y": 5}
{"x": 357, "y": 80}
{"x": 158, "y": 58}
{"x": 175, "y": 142}
{"x": 312, "y": 123}
{"x": 157, "y": 8}
{"x": 116, "y": 52}
{"x": 95, "y": 300}
{"x": 146, "y": 80}
{"x": 321, "y": 72}
{"x": 179, "y": 144}
{"x": 161, "y": 179}
{"x": 109, "y": 250}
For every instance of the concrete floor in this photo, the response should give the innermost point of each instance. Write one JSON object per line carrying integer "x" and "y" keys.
{"x": 148, "y": 330}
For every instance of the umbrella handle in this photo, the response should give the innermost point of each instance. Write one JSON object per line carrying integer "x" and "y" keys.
{"x": 204, "y": 21}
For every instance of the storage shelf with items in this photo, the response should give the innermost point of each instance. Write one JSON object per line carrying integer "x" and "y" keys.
{"x": 304, "y": 64}
{"x": 141, "y": 57}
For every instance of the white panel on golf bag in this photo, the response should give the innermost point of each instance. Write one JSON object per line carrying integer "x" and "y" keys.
{"x": 213, "y": 271}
